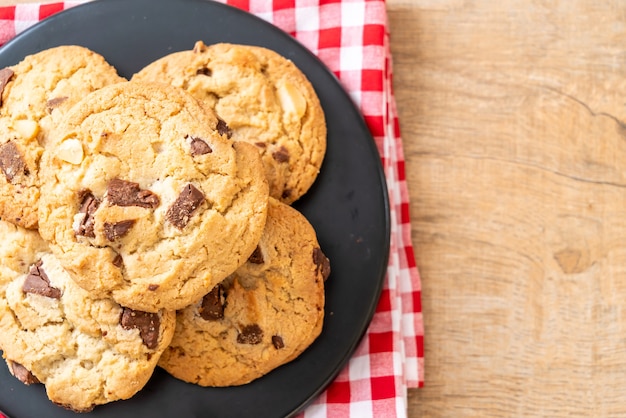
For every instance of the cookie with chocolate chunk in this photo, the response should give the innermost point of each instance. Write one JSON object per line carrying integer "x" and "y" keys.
{"x": 263, "y": 98}
{"x": 262, "y": 316}
{"x": 145, "y": 201}
{"x": 35, "y": 94}
{"x": 85, "y": 350}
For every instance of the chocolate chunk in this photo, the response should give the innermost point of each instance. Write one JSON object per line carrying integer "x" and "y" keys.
{"x": 213, "y": 304}
{"x": 257, "y": 256}
{"x": 11, "y": 161}
{"x": 153, "y": 287}
{"x": 37, "y": 282}
{"x": 23, "y": 374}
{"x": 147, "y": 323}
{"x": 281, "y": 155}
{"x": 199, "y": 147}
{"x": 88, "y": 206}
{"x": 55, "y": 102}
{"x": 204, "y": 71}
{"x": 187, "y": 202}
{"x": 322, "y": 262}
{"x": 126, "y": 193}
{"x": 277, "y": 342}
{"x": 117, "y": 230}
{"x": 286, "y": 193}
{"x": 260, "y": 144}
{"x": 250, "y": 334}
{"x": 223, "y": 129}
{"x": 118, "y": 261}
{"x": 5, "y": 77}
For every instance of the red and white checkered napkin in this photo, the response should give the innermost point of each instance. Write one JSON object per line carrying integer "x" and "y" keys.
{"x": 351, "y": 37}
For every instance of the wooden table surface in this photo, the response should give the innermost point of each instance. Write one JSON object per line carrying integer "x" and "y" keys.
{"x": 513, "y": 116}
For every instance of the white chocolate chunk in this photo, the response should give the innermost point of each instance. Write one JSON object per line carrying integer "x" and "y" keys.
{"x": 291, "y": 100}
{"x": 71, "y": 151}
{"x": 27, "y": 129}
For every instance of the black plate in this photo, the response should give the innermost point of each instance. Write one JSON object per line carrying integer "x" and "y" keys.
{"x": 347, "y": 205}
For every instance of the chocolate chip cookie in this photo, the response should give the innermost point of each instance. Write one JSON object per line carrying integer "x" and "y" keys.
{"x": 263, "y": 98}
{"x": 145, "y": 201}
{"x": 86, "y": 351}
{"x": 262, "y": 316}
{"x": 35, "y": 94}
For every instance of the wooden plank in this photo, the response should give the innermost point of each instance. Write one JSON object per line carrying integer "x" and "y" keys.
{"x": 513, "y": 119}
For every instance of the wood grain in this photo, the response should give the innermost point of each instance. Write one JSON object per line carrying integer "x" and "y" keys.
{"x": 513, "y": 116}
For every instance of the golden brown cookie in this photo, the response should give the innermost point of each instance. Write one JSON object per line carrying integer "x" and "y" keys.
{"x": 264, "y": 315}
{"x": 263, "y": 98}
{"x": 86, "y": 351}
{"x": 144, "y": 201}
{"x": 34, "y": 95}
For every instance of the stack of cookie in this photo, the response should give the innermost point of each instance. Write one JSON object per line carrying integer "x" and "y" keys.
{"x": 148, "y": 222}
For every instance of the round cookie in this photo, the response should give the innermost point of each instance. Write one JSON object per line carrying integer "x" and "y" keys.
{"x": 262, "y": 316}
{"x": 145, "y": 201}
{"x": 86, "y": 351}
{"x": 35, "y": 94}
{"x": 264, "y": 99}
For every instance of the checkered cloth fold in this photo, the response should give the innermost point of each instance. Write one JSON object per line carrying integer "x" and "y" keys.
{"x": 351, "y": 37}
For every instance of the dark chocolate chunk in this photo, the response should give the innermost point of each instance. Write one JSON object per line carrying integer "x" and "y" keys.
{"x": 23, "y": 374}
{"x": 224, "y": 129}
{"x": 213, "y": 304}
{"x": 127, "y": 193}
{"x": 187, "y": 202}
{"x": 260, "y": 144}
{"x": 5, "y": 76}
{"x": 281, "y": 155}
{"x": 322, "y": 262}
{"x": 147, "y": 323}
{"x": 53, "y": 103}
{"x": 199, "y": 146}
{"x": 88, "y": 206}
{"x": 257, "y": 256}
{"x": 250, "y": 334}
{"x": 11, "y": 161}
{"x": 37, "y": 282}
{"x": 277, "y": 342}
{"x": 118, "y": 261}
{"x": 117, "y": 230}
{"x": 153, "y": 287}
{"x": 204, "y": 71}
